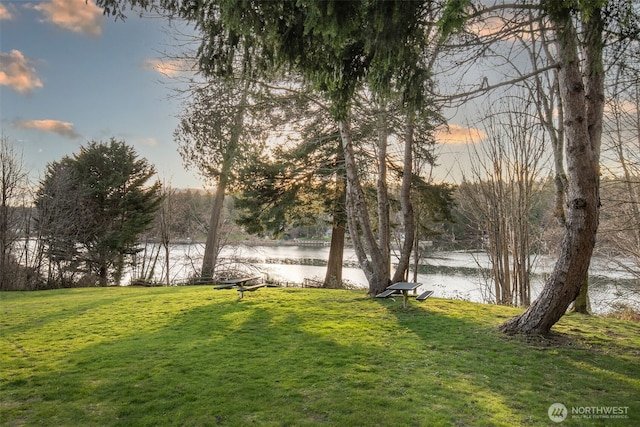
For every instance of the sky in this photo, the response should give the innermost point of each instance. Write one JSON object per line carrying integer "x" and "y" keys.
{"x": 69, "y": 75}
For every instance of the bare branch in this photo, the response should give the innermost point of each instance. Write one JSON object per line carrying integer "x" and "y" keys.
{"x": 484, "y": 88}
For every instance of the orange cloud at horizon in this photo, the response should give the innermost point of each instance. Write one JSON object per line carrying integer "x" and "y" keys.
{"x": 456, "y": 134}
{"x": 620, "y": 106}
{"x": 502, "y": 27}
{"x": 5, "y": 13}
{"x": 170, "y": 68}
{"x": 487, "y": 27}
{"x": 17, "y": 73}
{"x": 64, "y": 129}
{"x": 79, "y": 16}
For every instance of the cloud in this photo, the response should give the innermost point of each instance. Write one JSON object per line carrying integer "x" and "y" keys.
{"x": 170, "y": 68}
{"x": 619, "y": 106}
{"x": 64, "y": 129}
{"x": 509, "y": 27}
{"x": 149, "y": 142}
{"x": 17, "y": 72}
{"x": 79, "y": 16}
{"x": 487, "y": 27}
{"x": 5, "y": 13}
{"x": 455, "y": 134}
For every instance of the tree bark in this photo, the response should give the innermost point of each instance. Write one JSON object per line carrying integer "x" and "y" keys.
{"x": 581, "y": 304}
{"x": 384, "y": 225}
{"x": 333, "y": 277}
{"x": 212, "y": 245}
{"x": 582, "y": 101}
{"x": 407, "y": 207}
{"x": 376, "y": 269}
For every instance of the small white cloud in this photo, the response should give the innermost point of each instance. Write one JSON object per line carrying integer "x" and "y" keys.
{"x": 64, "y": 129}
{"x": 149, "y": 142}
{"x": 79, "y": 16}
{"x": 17, "y": 73}
{"x": 455, "y": 134}
{"x": 169, "y": 68}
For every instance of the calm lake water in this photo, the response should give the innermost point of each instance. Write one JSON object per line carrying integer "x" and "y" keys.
{"x": 457, "y": 275}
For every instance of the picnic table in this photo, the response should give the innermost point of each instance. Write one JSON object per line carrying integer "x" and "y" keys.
{"x": 403, "y": 288}
{"x": 241, "y": 284}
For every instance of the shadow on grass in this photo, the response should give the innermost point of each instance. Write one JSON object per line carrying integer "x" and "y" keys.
{"x": 504, "y": 379}
{"x": 45, "y": 317}
{"x": 232, "y": 363}
{"x": 294, "y": 357}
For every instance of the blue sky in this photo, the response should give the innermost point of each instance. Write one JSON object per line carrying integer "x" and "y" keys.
{"x": 69, "y": 75}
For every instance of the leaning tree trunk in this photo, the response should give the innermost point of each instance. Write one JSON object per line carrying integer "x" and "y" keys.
{"x": 376, "y": 269}
{"x": 407, "y": 207}
{"x": 582, "y": 101}
{"x": 212, "y": 245}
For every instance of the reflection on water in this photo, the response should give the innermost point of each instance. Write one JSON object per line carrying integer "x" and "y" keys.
{"x": 459, "y": 276}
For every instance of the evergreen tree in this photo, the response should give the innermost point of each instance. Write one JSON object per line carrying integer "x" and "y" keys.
{"x": 93, "y": 206}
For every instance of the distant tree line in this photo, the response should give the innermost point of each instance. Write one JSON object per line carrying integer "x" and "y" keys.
{"x": 98, "y": 211}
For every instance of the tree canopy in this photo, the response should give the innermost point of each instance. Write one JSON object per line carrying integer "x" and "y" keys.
{"x": 93, "y": 206}
{"x": 386, "y": 47}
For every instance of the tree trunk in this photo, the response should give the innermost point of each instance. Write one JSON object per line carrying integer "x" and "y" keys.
{"x": 582, "y": 102}
{"x": 407, "y": 207}
{"x": 581, "y": 304}
{"x": 417, "y": 253}
{"x": 103, "y": 275}
{"x": 167, "y": 266}
{"x": 212, "y": 245}
{"x": 333, "y": 277}
{"x": 557, "y": 143}
{"x": 119, "y": 269}
{"x": 377, "y": 268}
{"x": 384, "y": 225}
{"x": 4, "y": 239}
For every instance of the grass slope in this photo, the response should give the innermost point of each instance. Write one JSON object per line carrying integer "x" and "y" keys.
{"x": 192, "y": 356}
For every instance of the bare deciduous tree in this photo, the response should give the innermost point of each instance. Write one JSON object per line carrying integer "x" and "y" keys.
{"x": 507, "y": 174}
{"x": 620, "y": 229}
{"x": 14, "y": 215}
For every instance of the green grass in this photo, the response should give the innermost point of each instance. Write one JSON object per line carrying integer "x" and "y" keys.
{"x": 192, "y": 356}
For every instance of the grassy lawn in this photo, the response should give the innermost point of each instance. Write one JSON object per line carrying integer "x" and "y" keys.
{"x": 192, "y": 356}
